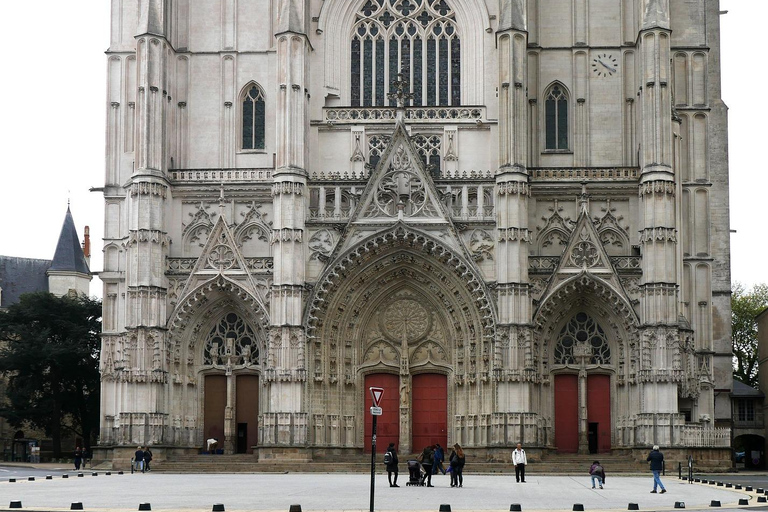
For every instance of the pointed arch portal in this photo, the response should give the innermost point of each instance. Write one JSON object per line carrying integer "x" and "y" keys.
{"x": 403, "y": 312}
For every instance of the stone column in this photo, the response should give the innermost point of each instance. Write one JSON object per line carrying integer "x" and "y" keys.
{"x": 512, "y": 193}
{"x": 286, "y": 372}
{"x": 146, "y": 244}
{"x": 658, "y": 219}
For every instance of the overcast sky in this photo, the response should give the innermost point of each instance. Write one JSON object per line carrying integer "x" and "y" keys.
{"x": 52, "y": 122}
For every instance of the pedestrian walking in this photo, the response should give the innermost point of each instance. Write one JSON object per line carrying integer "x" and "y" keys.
{"x": 390, "y": 460}
{"x": 456, "y": 462}
{"x": 519, "y": 460}
{"x": 426, "y": 459}
{"x": 656, "y": 458}
{"x": 78, "y": 457}
{"x": 597, "y": 472}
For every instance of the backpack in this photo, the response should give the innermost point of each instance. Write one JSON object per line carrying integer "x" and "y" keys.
{"x": 597, "y": 470}
{"x": 388, "y": 458}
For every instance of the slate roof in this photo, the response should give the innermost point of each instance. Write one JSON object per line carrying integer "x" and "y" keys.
{"x": 741, "y": 390}
{"x": 69, "y": 253}
{"x": 21, "y": 275}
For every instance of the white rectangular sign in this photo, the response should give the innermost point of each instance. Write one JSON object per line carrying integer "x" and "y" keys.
{"x": 376, "y": 411}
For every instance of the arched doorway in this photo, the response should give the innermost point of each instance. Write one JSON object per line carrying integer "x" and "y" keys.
{"x": 230, "y": 363}
{"x": 394, "y": 305}
{"x": 582, "y": 391}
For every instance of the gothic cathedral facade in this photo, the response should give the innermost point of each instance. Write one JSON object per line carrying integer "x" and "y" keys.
{"x": 512, "y": 215}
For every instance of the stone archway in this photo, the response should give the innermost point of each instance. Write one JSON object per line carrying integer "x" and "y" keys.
{"x": 403, "y": 304}
{"x": 218, "y": 340}
{"x": 586, "y": 341}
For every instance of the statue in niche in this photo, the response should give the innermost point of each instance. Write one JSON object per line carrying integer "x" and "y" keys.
{"x": 404, "y": 392}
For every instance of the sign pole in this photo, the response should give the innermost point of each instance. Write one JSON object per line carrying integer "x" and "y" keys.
{"x": 373, "y": 459}
{"x": 376, "y": 394}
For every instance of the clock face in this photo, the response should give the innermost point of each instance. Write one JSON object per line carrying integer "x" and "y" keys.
{"x": 605, "y": 65}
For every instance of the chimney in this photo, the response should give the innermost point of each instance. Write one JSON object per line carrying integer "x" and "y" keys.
{"x": 87, "y": 245}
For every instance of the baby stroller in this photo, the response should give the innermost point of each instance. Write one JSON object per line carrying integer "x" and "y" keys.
{"x": 416, "y": 474}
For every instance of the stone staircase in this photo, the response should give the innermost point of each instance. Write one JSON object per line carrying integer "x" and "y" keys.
{"x": 555, "y": 464}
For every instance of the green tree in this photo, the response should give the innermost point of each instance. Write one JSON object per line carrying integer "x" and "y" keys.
{"x": 745, "y": 306}
{"x": 49, "y": 354}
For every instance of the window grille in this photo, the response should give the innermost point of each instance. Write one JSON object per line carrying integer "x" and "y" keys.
{"x": 582, "y": 331}
{"x": 419, "y": 38}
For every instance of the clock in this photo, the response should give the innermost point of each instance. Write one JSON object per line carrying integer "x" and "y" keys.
{"x": 604, "y": 65}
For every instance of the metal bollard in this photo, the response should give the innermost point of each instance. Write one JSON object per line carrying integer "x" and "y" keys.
{"x": 445, "y": 508}
{"x": 145, "y": 506}
{"x": 679, "y": 504}
{"x": 714, "y": 503}
{"x": 15, "y": 504}
{"x": 515, "y": 507}
{"x": 633, "y": 506}
{"x": 743, "y": 501}
{"x": 218, "y": 507}
{"x": 578, "y": 507}
{"x": 76, "y": 505}
{"x": 295, "y": 508}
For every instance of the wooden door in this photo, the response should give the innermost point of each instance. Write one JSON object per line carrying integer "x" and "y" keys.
{"x": 215, "y": 389}
{"x": 567, "y": 413}
{"x": 388, "y": 424}
{"x": 599, "y": 409}
{"x": 247, "y": 409}
{"x": 430, "y": 410}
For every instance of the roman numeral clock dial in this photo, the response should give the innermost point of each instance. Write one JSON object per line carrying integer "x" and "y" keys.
{"x": 605, "y": 65}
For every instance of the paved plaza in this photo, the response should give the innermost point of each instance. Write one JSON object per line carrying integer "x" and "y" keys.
{"x": 350, "y": 492}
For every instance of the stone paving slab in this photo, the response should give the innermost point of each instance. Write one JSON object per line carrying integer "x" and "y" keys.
{"x": 350, "y": 492}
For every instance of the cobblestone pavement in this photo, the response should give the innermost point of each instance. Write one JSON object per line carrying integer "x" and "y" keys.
{"x": 350, "y": 492}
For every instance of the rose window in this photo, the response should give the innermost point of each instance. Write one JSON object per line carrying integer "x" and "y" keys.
{"x": 582, "y": 335}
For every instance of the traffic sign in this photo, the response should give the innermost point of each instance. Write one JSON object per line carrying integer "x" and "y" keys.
{"x": 376, "y": 411}
{"x": 376, "y": 394}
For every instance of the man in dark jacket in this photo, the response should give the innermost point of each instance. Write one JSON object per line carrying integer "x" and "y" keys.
{"x": 138, "y": 459}
{"x": 656, "y": 458}
{"x": 392, "y": 464}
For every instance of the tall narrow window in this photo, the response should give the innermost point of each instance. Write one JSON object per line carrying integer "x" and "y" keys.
{"x": 254, "y": 118}
{"x": 556, "y": 114}
{"x": 418, "y": 38}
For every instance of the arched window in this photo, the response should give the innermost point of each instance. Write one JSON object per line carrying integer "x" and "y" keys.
{"x": 556, "y": 118}
{"x": 416, "y": 37}
{"x": 582, "y": 335}
{"x": 254, "y": 117}
{"x": 231, "y": 341}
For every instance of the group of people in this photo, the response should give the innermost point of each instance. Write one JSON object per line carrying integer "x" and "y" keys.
{"x": 141, "y": 459}
{"x": 432, "y": 457}
{"x": 81, "y": 457}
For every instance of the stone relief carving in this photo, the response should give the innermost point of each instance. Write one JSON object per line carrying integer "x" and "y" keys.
{"x": 584, "y": 253}
{"x": 429, "y": 352}
{"x": 253, "y": 224}
{"x": 321, "y": 245}
{"x": 554, "y": 235}
{"x": 382, "y": 352}
{"x": 405, "y": 318}
{"x": 481, "y": 245}
{"x": 612, "y": 235}
{"x": 196, "y": 231}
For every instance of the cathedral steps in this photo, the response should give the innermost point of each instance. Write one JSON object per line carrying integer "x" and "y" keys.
{"x": 558, "y": 464}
